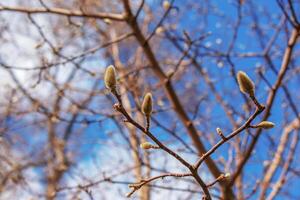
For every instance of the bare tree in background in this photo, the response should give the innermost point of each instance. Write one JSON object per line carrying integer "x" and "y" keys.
{"x": 185, "y": 110}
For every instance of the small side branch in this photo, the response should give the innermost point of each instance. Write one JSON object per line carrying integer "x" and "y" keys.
{"x": 136, "y": 186}
{"x": 61, "y": 11}
{"x": 221, "y": 177}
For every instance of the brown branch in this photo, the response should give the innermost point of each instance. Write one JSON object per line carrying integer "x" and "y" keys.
{"x": 282, "y": 178}
{"x": 168, "y": 87}
{"x": 277, "y": 157}
{"x": 136, "y": 186}
{"x": 119, "y": 107}
{"x": 221, "y": 177}
{"x": 70, "y": 59}
{"x": 284, "y": 67}
{"x": 131, "y": 20}
{"x": 231, "y": 135}
{"x": 62, "y": 11}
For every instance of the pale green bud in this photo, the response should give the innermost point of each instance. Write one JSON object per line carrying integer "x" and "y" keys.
{"x": 110, "y": 77}
{"x": 147, "y": 104}
{"x": 265, "y": 125}
{"x": 146, "y": 145}
{"x": 166, "y": 5}
{"x": 245, "y": 83}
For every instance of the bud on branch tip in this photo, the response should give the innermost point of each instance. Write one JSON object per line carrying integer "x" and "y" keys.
{"x": 245, "y": 83}
{"x": 166, "y": 5}
{"x": 147, "y": 104}
{"x": 148, "y": 145}
{"x": 265, "y": 125}
{"x": 110, "y": 78}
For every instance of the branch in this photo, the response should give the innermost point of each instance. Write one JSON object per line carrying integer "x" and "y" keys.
{"x": 119, "y": 107}
{"x": 246, "y": 125}
{"x": 287, "y": 164}
{"x": 136, "y": 186}
{"x": 168, "y": 87}
{"x": 221, "y": 177}
{"x": 284, "y": 67}
{"x": 64, "y": 12}
{"x": 277, "y": 157}
{"x": 131, "y": 20}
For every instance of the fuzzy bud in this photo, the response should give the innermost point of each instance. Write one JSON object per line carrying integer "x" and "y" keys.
{"x": 107, "y": 21}
{"x": 166, "y": 5}
{"x": 265, "y": 125}
{"x": 219, "y": 131}
{"x": 227, "y": 175}
{"x": 110, "y": 77}
{"x": 147, "y": 104}
{"x": 159, "y": 30}
{"x": 146, "y": 145}
{"x": 245, "y": 83}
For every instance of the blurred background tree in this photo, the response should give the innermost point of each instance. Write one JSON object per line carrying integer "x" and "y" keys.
{"x": 62, "y": 139}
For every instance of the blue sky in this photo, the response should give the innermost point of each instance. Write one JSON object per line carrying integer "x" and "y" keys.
{"x": 219, "y": 22}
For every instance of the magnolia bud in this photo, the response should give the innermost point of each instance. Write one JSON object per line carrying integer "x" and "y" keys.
{"x": 146, "y": 145}
{"x": 265, "y": 125}
{"x": 54, "y": 119}
{"x": 110, "y": 77}
{"x": 147, "y": 104}
{"x": 245, "y": 83}
{"x": 159, "y": 30}
{"x": 227, "y": 175}
{"x": 219, "y": 131}
{"x": 107, "y": 21}
{"x": 166, "y": 5}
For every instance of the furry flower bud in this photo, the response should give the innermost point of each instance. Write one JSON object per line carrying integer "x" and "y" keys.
{"x": 107, "y": 21}
{"x": 159, "y": 30}
{"x": 265, "y": 125}
{"x": 147, "y": 104}
{"x": 219, "y": 131}
{"x": 245, "y": 83}
{"x": 110, "y": 77}
{"x": 166, "y": 5}
{"x": 146, "y": 145}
